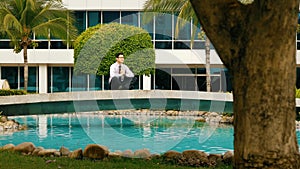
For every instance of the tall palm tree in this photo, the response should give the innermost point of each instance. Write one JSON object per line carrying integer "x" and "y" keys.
{"x": 186, "y": 13}
{"x": 22, "y": 19}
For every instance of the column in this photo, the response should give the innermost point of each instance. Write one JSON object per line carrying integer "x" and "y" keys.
{"x": 146, "y": 82}
{"x": 43, "y": 79}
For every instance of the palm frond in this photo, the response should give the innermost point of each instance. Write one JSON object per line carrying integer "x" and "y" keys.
{"x": 22, "y": 17}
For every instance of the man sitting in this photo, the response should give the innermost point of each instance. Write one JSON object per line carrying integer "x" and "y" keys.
{"x": 120, "y": 75}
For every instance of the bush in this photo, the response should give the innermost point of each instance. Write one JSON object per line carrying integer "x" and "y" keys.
{"x": 297, "y": 93}
{"x": 12, "y": 92}
{"x": 95, "y": 49}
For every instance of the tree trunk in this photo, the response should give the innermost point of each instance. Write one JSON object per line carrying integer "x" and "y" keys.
{"x": 25, "y": 68}
{"x": 257, "y": 44}
{"x": 207, "y": 64}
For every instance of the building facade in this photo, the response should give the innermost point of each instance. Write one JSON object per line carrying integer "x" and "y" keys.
{"x": 180, "y": 64}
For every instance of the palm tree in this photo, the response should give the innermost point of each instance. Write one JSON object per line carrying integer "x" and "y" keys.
{"x": 186, "y": 13}
{"x": 22, "y": 19}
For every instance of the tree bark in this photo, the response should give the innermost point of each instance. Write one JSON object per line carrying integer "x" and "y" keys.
{"x": 207, "y": 64}
{"x": 25, "y": 68}
{"x": 257, "y": 44}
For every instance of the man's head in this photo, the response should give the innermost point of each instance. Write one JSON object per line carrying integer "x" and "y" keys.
{"x": 120, "y": 58}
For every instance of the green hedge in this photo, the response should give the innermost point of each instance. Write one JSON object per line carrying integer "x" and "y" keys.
{"x": 297, "y": 93}
{"x": 95, "y": 49}
{"x": 12, "y": 92}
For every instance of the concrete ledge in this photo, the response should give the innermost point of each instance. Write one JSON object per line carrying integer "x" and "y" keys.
{"x": 114, "y": 95}
{"x": 88, "y": 101}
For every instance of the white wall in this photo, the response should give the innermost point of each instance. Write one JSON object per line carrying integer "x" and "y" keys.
{"x": 38, "y": 56}
{"x": 64, "y": 56}
{"x": 104, "y": 4}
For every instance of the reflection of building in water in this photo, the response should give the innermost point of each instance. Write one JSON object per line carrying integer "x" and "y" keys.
{"x": 42, "y": 128}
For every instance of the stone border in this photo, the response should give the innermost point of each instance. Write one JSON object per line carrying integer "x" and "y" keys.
{"x": 194, "y": 158}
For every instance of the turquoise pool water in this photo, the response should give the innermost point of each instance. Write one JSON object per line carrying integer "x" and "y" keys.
{"x": 156, "y": 133}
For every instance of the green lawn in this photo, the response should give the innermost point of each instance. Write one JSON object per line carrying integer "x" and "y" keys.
{"x": 11, "y": 160}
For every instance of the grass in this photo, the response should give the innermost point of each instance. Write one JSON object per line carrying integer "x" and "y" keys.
{"x": 13, "y": 160}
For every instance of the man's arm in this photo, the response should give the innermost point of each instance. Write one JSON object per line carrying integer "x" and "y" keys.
{"x": 128, "y": 72}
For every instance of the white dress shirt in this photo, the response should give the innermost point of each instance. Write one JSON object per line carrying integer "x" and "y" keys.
{"x": 114, "y": 71}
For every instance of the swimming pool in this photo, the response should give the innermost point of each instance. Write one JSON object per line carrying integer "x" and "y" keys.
{"x": 121, "y": 132}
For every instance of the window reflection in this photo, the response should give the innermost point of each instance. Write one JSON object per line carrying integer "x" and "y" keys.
{"x": 129, "y": 18}
{"x": 80, "y": 21}
{"x": 94, "y": 18}
{"x": 15, "y": 77}
{"x": 111, "y": 16}
{"x": 58, "y": 79}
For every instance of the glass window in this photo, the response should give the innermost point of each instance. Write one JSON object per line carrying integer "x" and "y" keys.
{"x": 15, "y": 77}
{"x": 136, "y": 84}
{"x": 129, "y": 18}
{"x": 201, "y": 83}
{"x": 11, "y": 75}
{"x": 199, "y": 44}
{"x": 162, "y": 78}
{"x": 163, "y": 45}
{"x": 163, "y": 27}
{"x": 80, "y": 21}
{"x": 182, "y": 45}
{"x": 148, "y": 26}
{"x": 42, "y": 45}
{"x": 79, "y": 82}
{"x": 58, "y": 45}
{"x": 58, "y": 79}
{"x": 5, "y": 45}
{"x": 183, "y": 71}
{"x": 106, "y": 83}
{"x": 184, "y": 32}
{"x": 111, "y": 16}
{"x": 184, "y": 83}
{"x": 94, "y": 18}
{"x": 95, "y": 82}
{"x": 32, "y": 79}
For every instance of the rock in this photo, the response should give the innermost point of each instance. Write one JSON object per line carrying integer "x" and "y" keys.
{"x": 201, "y": 113}
{"x": 195, "y": 158}
{"x": 215, "y": 159}
{"x": 213, "y": 114}
{"x": 8, "y": 147}
{"x": 9, "y": 124}
{"x": 3, "y": 119}
{"x": 228, "y": 157}
{"x": 200, "y": 119}
{"x": 143, "y": 153}
{"x": 76, "y": 154}
{"x": 155, "y": 156}
{"x": 26, "y": 147}
{"x": 226, "y": 120}
{"x": 172, "y": 156}
{"x": 127, "y": 153}
{"x": 64, "y": 151}
{"x": 37, "y": 150}
{"x": 95, "y": 151}
{"x": 48, "y": 152}
{"x": 114, "y": 155}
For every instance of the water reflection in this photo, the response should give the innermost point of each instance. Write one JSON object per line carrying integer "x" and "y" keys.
{"x": 122, "y": 132}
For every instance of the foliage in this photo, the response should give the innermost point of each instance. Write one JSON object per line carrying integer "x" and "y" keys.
{"x": 182, "y": 8}
{"x": 13, "y": 160}
{"x": 21, "y": 19}
{"x": 95, "y": 49}
{"x": 12, "y": 92}
{"x": 297, "y": 93}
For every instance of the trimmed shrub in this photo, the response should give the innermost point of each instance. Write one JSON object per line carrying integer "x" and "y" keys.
{"x": 95, "y": 49}
{"x": 12, "y": 92}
